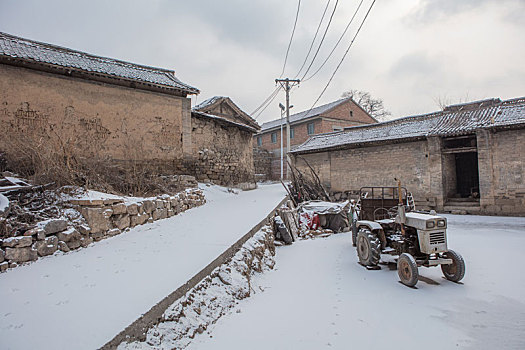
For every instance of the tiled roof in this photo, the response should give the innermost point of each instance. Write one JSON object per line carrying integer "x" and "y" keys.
{"x": 452, "y": 121}
{"x": 16, "y": 48}
{"x": 305, "y": 114}
{"x": 205, "y": 109}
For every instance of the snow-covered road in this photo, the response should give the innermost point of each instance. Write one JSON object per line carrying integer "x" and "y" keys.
{"x": 319, "y": 297}
{"x": 82, "y": 299}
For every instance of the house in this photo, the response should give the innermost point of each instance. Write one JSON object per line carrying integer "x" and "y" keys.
{"x": 334, "y": 116}
{"x": 90, "y": 107}
{"x": 467, "y": 158}
{"x": 222, "y": 142}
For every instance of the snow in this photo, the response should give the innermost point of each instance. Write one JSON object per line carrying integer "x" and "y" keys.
{"x": 318, "y": 296}
{"x": 4, "y": 203}
{"x": 82, "y": 299}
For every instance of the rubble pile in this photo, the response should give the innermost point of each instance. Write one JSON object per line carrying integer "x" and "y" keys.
{"x": 213, "y": 297}
{"x": 37, "y": 222}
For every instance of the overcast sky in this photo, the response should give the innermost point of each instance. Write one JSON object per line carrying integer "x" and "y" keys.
{"x": 410, "y": 53}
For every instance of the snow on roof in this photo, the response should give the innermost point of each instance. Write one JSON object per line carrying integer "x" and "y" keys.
{"x": 305, "y": 114}
{"x": 207, "y": 102}
{"x": 452, "y": 121}
{"x": 13, "y": 47}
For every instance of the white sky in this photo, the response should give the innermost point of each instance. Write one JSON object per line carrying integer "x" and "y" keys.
{"x": 410, "y": 53}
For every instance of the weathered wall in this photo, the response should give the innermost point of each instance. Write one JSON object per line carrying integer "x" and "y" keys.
{"x": 224, "y": 153}
{"x": 501, "y": 157}
{"x": 123, "y": 123}
{"x": 262, "y": 161}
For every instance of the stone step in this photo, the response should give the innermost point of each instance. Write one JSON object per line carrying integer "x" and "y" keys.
{"x": 460, "y": 209}
{"x": 462, "y": 204}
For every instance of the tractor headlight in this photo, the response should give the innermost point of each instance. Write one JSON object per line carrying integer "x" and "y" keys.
{"x": 442, "y": 223}
{"x": 431, "y": 224}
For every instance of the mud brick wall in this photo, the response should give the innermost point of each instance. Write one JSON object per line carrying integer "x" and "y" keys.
{"x": 104, "y": 218}
{"x": 501, "y": 158}
{"x": 119, "y": 122}
{"x": 223, "y": 152}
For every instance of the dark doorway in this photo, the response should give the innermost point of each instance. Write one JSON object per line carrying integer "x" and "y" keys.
{"x": 467, "y": 177}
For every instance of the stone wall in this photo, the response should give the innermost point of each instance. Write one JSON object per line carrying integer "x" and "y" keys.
{"x": 104, "y": 218}
{"x": 262, "y": 161}
{"x": 223, "y": 152}
{"x": 93, "y": 118}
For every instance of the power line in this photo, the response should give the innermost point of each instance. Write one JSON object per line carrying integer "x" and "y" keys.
{"x": 336, "y": 44}
{"x": 291, "y": 38}
{"x": 270, "y": 100}
{"x": 265, "y": 101}
{"x": 322, "y": 40}
{"x": 344, "y": 56}
{"x": 313, "y": 40}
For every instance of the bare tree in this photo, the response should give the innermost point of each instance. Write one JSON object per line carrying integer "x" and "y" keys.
{"x": 372, "y": 106}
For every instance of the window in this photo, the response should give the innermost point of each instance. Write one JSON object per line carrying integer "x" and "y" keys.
{"x": 274, "y": 137}
{"x": 292, "y": 132}
{"x": 259, "y": 141}
{"x": 311, "y": 128}
{"x": 351, "y": 114}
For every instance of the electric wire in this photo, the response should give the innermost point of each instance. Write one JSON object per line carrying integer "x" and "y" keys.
{"x": 313, "y": 40}
{"x": 291, "y": 38}
{"x": 344, "y": 56}
{"x": 265, "y": 101}
{"x": 336, "y": 44}
{"x": 270, "y": 99}
{"x": 322, "y": 40}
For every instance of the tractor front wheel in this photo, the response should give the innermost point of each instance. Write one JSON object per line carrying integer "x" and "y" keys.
{"x": 368, "y": 248}
{"x": 407, "y": 269}
{"x": 456, "y": 271}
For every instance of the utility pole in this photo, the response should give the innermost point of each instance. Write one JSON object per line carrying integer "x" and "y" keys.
{"x": 287, "y": 85}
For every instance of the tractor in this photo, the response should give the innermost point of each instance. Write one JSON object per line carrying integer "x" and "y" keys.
{"x": 385, "y": 221}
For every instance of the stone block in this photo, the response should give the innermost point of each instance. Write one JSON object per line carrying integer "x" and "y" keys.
{"x": 4, "y": 266}
{"x": 69, "y": 235}
{"x": 85, "y": 241}
{"x": 84, "y": 230}
{"x": 74, "y": 244}
{"x": 20, "y": 255}
{"x": 46, "y": 247}
{"x": 17, "y": 242}
{"x": 63, "y": 247}
{"x": 156, "y": 214}
{"x": 149, "y": 206}
{"x": 160, "y": 203}
{"x": 122, "y": 221}
{"x": 2, "y": 255}
{"x": 133, "y": 209}
{"x": 113, "y": 232}
{"x": 97, "y": 219}
{"x": 119, "y": 208}
{"x": 171, "y": 212}
{"x": 54, "y": 226}
{"x": 139, "y": 219}
{"x": 97, "y": 236}
{"x": 163, "y": 213}
{"x": 87, "y": 202}
{"x": 112, "y": 201}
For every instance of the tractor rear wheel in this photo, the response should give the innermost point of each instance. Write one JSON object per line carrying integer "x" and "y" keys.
{"x": 407, "y": 270}
{"x": 368, "y": 248}
{"x": 456, "y": 271}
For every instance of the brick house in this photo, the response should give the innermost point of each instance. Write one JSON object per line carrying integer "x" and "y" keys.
{"x": 334, "y": 116}
{"x": 106, "y": 108}
{"x": 469, "y": 157}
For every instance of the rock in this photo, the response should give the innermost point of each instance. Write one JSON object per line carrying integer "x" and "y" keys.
{"x": 97, "y": 236}
{"x": 133, "y": 209}
{"x": 85, "y": 241}
{"x": 138, "y": 219}
{"x": 20, "y": 255}
{"x": 2, "y": 255}
{"x": 69, "y": 235}
{"x": 18, "y": 242}
{"x": 47, "y": 247}
{"x": 97, "y": 219}
{"x": 156, "y": 214}
{"x": 41, "y": 235}
{"x": 87, "y": 202}
{"x": 171, "y": 213}
{"x": 63, "y": 247}
{"x": 54, "y": 226}
{"x": 119, "y": 208}
{"x": 163, "y": 213}
{"x": 112, "y": 201}
{"x": 74, "y": 244}
{"x": 122, "y": 221}
{"x": 160, "y": 203}
{"x": 4, "y": 266}
{"x": 84, "y": 230}
{"x": 113, "y": 232}
{"x": 149, "y": 206}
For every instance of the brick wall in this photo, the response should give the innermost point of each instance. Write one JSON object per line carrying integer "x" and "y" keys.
{"x": 123, "y": 123}
{"x": 224, "y": 153}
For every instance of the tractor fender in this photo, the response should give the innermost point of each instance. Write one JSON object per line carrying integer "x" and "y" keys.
{"x": 373, "y": 227}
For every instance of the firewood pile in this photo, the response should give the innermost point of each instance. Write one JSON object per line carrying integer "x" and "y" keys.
{"x": 306, "y": 187}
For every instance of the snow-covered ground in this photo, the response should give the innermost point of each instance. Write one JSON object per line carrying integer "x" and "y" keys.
{"x": 82, "y": 299}
{"x": 319, "y": 297}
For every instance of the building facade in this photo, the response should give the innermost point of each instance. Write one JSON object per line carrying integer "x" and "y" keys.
{"x": 334, "y": 116}
{"x": 467, "y": 158}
